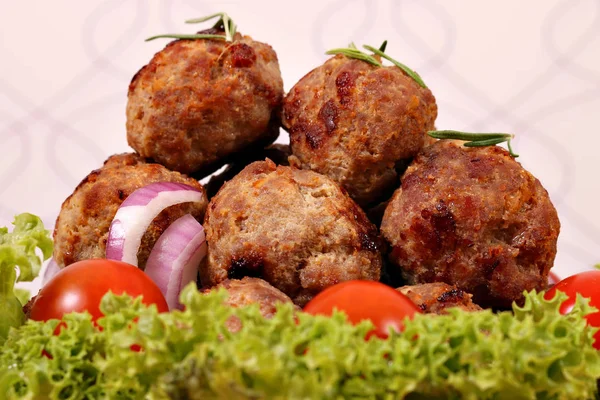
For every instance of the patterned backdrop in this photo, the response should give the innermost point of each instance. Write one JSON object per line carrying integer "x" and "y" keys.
{"x": 527, "y": 67}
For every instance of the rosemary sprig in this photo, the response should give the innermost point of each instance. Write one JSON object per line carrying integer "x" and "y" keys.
{"x": 224, "y": 22}
{"x": 416, "y": 77}
{"x": 476, "y": 139}
{"x": 184, "y": 36}
{"x": 353, "y": 52}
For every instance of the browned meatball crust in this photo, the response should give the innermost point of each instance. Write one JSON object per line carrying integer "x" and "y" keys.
{"x": 278, "y": 153}
{"x": 247, "y": 291}
{"x": 198, "y": 101}
{"x": 82, "y": 226}
{"x": 436, "y": 298}
{"x": 474, "y": 218}
{"x": 354, "y": 122}
{"x": 296, "y": 229}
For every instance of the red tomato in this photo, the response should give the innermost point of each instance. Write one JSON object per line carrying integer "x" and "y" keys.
{"x": 81, "y": 286}
{"x": 360, "y": 300}
{"x": 586, "y": 284}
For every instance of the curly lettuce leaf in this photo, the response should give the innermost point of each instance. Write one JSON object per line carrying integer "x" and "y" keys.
{"x": 532, "y": 353}
{"x": 18, "y": 249}
{"x": 23, "y": 295}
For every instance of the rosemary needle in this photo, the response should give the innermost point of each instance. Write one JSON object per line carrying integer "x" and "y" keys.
{"x": 476, "y": 139}
{"x": 184, "y": 36}
{"x": 459, "y": 135}
{"x": 204, "y": 19}
{"x": 224, "y": 22}
{"x": 487, "y": 142}
{"x": 416, "y": 77}
{"x": 353, "y": 52}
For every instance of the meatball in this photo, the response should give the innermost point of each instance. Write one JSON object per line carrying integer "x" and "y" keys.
{"x": 296, "y": 229}
{"x": 278, "y": 153}
{"x": 199, "y": 101}
{"x": 82, "y": 226}
{"x": 474, "y": 218}
{"x": 435, "y": 298}
{"x": 246, "y": 291}
{"x": 356, "y": 122}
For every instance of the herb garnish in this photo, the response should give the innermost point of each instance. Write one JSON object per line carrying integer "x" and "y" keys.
{"x": 352, "y": 52}
{"x": 224, "y": 22}
{"x": 476, "y": 139}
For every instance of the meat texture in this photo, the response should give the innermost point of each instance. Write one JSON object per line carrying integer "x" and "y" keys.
{"x": 82, "y": 226}
{"x": 278, "y": 153}
{"x": 199, "y": 101}
{"x": 356, "y": 122}
{"x": 296, "y": 229}
{"x": 474, "y": 218}
{"x": 247, "y": 291}
{"x": 436, "y": 298}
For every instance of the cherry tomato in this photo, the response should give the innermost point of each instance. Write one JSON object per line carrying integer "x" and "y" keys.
{"x": 81, "y": 286}
{"x": 360, "y": 300}
{"x": 586, "y": 284}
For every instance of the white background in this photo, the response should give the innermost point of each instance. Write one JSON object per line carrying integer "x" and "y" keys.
{"x": 527, "y": 67}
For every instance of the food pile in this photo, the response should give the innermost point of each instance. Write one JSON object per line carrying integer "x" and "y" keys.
{"x": 436, "y": 247}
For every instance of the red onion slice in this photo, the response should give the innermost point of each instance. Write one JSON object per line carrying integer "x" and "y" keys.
{"x": 137, "y": 212}
{"x": 175, "y": 258}
{"x": 51, "y": 269}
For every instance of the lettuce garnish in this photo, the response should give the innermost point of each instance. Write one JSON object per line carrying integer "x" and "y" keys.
{"x": 533, "y": 352}
{"x": 18, "y": 250}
